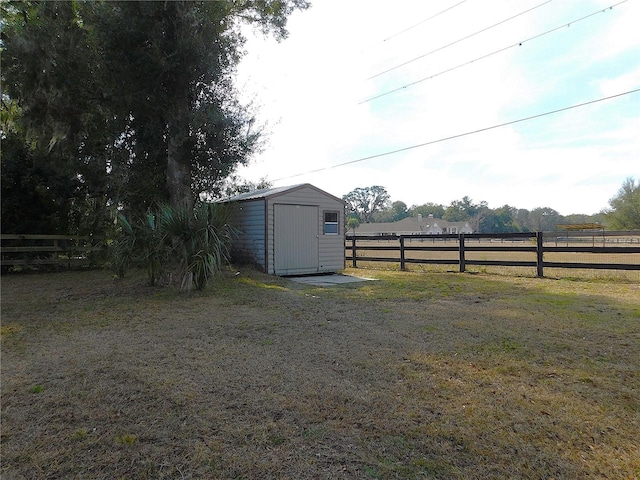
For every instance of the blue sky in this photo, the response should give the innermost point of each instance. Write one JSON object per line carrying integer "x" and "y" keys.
{"x": 309, "y": 87}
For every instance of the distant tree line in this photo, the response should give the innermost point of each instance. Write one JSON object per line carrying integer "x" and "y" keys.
{"x": 374, "y": 205}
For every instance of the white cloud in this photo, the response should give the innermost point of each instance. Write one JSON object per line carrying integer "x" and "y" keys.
{"x": 309, "y": 87}
{"x": 623, "y": 83}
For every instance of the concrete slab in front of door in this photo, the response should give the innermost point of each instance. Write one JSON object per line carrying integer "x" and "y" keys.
{"x": 329, "y": 280}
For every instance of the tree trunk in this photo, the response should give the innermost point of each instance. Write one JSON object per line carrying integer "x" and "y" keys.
{"x": 178, "y": 158}
{"x": 177, "y": 120}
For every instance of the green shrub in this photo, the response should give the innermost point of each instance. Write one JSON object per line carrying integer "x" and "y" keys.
{"x": 192, "y": 243}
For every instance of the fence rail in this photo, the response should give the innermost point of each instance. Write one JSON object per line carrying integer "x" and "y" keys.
{"x": 605, "y": 250}
{"x": 61, "y": 250}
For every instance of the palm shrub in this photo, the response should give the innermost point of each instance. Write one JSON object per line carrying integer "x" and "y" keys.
{"x": 353, "y": 223}
{"x": 141, "y": 243}
{"x": 214, "y": 239}
{"x": 201, "y": 241}
{"x": 192, "y": 243}
{"x": 121, "y": 249}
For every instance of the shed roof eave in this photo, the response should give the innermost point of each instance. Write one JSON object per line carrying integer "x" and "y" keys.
{"x": 276, "y": 191}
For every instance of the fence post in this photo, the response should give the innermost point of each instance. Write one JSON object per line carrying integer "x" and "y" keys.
{"x": 353, "y": 252}
{"x": 402, "y": 262}
{"x": 462, "y": 261}
{"x": 539, "y": 253}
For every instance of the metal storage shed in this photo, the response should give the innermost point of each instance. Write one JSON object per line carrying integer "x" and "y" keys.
{"x": 291, "y": 230}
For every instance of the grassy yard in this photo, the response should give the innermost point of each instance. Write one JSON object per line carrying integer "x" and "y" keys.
{"x": 414, "y": 375}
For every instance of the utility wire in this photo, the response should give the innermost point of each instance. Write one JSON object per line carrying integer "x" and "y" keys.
{"x": 423, "y": 21}
{"x": 490, "y": 54}
{"x": 457, "y": 41}
{"x": 431, "y": 142}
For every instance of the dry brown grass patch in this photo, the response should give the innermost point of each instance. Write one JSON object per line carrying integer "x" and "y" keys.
{"x": 413, "y": 376}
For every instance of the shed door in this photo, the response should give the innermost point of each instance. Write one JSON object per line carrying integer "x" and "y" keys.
{"x": 295, "y": 239}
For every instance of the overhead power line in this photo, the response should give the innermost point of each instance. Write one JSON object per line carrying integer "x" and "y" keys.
{"x": 480, "y": 130}
{"x": 564, "y": 25}
{"x": 422, "y": 21}
{"x": 457, "y": 41}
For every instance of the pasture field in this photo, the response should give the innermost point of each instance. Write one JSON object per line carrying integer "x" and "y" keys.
{"x": 409, "y": 376}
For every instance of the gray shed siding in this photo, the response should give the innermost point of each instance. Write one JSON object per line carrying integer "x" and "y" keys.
{"x": 250, "y": 220}
{"x": 256, "y": 220}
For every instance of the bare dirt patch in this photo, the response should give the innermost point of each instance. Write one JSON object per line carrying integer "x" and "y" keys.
{"x": 413, "y": 376}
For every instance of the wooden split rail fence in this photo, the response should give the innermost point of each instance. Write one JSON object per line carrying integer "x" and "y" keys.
{"x": 61, "y": 250}
{"x": 604, "y": 250}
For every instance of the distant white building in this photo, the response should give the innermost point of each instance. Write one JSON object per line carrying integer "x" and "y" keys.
{"x": 414, "y": 226}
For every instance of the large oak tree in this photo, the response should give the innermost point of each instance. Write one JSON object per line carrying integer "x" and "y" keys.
{"x": 364, "y": 202}
{"x": 134, "y": 100}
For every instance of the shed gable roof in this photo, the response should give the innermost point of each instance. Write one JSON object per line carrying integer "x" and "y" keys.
{"x": 272, "y": 192}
